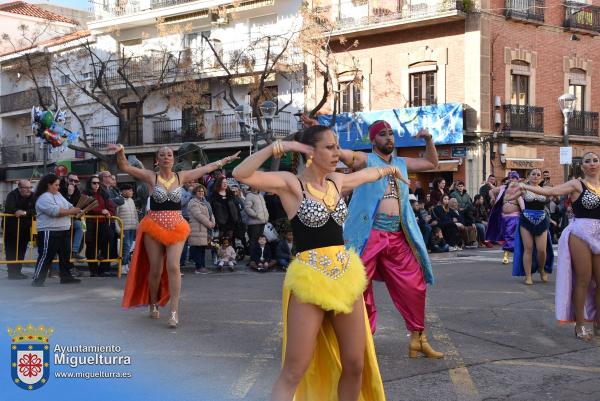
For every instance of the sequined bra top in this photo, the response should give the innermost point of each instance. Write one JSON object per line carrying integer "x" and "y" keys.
{"x": 161, "y": 199}
{"x": 315, "y": 227}
{"x": 394, "y": 192}
{"x": 534, "y": 201}
{"x": 587, "y": 206}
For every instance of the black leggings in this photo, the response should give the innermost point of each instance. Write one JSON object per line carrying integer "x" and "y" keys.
{"x": 49, "y": 244}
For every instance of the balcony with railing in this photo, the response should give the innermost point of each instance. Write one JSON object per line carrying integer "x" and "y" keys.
{"x": 581, "y": 16}
{"x": 105, "y": 9}
{"x": 142, "y": 68}
{"x": 584, "y": 123}
{"x": 531, "y": 10}
{"x": 529, "y": 119}
{"x": 24, "y": 100}
{"x": 215, "y": 126}
{"x": 139, "y": 12}
{"x": 384, "y": 15}
{"x": 178, "y": 131}
{"x": 21, "y": 154}
{"x": 242, "y": 55}
{"x": 103, "y": 135}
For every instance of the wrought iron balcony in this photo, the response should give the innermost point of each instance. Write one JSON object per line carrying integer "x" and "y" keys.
{"x": 24, "y": 100}
{"x": 167, "y": 3}
{"x": 525, "y": 9}
{"x": 523, "y": 118}
{"x": 106, "y": 9}
{"x": 582, "y": 16}
{"x": 141, "y": 68}
{"x": 21, "y": 154}
{"x": 584, "y": 123}
{"x": 104, "y": 135}
{"x": 353, "y": 14}
{"x": 178, "y": 131}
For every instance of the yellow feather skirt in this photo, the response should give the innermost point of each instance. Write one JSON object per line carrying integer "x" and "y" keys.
{"x": 331, "y": 278}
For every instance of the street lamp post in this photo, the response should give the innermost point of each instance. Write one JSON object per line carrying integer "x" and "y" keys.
{"x": 240, "y": 116}
{"x": 566, "y": 103}
{"x": 268, "y": 109}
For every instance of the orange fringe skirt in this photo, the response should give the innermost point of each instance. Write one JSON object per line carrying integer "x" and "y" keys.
{"x": 167, "y": 227}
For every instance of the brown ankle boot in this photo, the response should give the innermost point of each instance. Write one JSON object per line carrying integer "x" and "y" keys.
{"x": 418, "y": 343}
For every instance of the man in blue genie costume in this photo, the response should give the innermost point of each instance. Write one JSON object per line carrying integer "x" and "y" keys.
{"x": 382, "y": 228}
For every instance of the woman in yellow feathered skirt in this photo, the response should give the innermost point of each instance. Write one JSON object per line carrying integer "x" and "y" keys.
{"x": 328, "y": 350}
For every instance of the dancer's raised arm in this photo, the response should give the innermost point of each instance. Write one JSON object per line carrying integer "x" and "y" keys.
{"x": 515, "y": 194}
{"x": 199, "y": 172}
{"x": 371, "y": 174}
{"x": 275, "y": 181}
{"x": 562, "y": 189}
{"x": 142, "y": 174}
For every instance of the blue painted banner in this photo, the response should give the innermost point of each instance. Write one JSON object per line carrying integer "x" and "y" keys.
{"x": 444, "y": 122}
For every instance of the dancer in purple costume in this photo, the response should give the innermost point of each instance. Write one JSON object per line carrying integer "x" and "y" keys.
{"x": 577, "y": 296}
{"x": 504, "y": 216}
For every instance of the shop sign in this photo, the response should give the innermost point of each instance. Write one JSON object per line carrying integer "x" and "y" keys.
{"x": 443, "y": 121}
{"x": 459, "y": 151}
{"x": 524, "y": 164}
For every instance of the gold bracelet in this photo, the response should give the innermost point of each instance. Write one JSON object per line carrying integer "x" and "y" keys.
{"x": 219, "y": 164}
{"x": 351, "y": 164}
{"x": 278, "y": 150}
{"x": 121, "y": 148}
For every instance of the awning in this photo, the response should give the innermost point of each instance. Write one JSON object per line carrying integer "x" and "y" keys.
{"x": 445, "y": 165}
{"x": 523, "y": 163}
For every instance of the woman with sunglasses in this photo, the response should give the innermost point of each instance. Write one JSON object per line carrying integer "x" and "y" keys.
{"x": 98, "y": 232}
{"x": 578, "y": 271}
{"x": 533, "y": 241}
{"x": 154, "y": 273}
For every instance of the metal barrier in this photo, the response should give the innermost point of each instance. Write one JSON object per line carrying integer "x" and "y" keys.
{"x": 32, "y": 239}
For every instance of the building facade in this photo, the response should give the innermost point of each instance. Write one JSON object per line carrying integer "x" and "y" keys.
{"x": 200, "y": 55}
{"x": 506, "y": 61}
{"x": 539, "y": 51}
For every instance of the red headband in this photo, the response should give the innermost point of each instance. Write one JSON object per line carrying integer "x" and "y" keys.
{"x": 377, "y": 128}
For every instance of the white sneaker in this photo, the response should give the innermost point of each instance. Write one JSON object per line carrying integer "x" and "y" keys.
{"x": 124, "y": 269}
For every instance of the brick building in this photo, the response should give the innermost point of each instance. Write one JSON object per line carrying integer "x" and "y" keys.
{"x": 422, "y": 52}
{"x": 539, "y": 51}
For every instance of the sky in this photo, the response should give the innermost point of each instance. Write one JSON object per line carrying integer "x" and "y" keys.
{"x": 81, "y": 4}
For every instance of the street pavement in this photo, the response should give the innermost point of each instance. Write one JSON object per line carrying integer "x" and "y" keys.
{"x": 499, "y": 336}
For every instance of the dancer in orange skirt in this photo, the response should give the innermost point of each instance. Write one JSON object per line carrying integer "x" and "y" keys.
{"x": 154, "y": 274}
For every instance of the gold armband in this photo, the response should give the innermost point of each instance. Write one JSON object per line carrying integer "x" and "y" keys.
{"x": 278, "y": 150}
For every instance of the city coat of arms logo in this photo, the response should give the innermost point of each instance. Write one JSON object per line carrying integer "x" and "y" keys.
{"x": 30, "y": 355}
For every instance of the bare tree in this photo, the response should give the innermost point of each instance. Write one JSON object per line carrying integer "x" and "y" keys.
{"x": 328, "y": 58}
{"x": 85, "y": 73}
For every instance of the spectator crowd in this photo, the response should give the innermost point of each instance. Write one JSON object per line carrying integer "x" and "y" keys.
{"x": 230, "y": 222}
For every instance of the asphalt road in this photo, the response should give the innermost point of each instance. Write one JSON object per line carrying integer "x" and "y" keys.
{"x": 500, "y": 337}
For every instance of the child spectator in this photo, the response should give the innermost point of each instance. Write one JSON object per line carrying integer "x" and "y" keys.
{"x": 226, "y": 255}
{"x": 129, "y": 217}
{"x": 437, "y": 243}
{"x": 285, "y": 250}
{"x": 260, "y": 255}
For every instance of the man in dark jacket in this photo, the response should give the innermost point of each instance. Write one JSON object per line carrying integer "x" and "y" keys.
{"x": 17, "y": 230}
{"x": 69, "y": 189}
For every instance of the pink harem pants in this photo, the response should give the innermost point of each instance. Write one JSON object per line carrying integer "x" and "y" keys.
{"x": 388, "y": 257}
